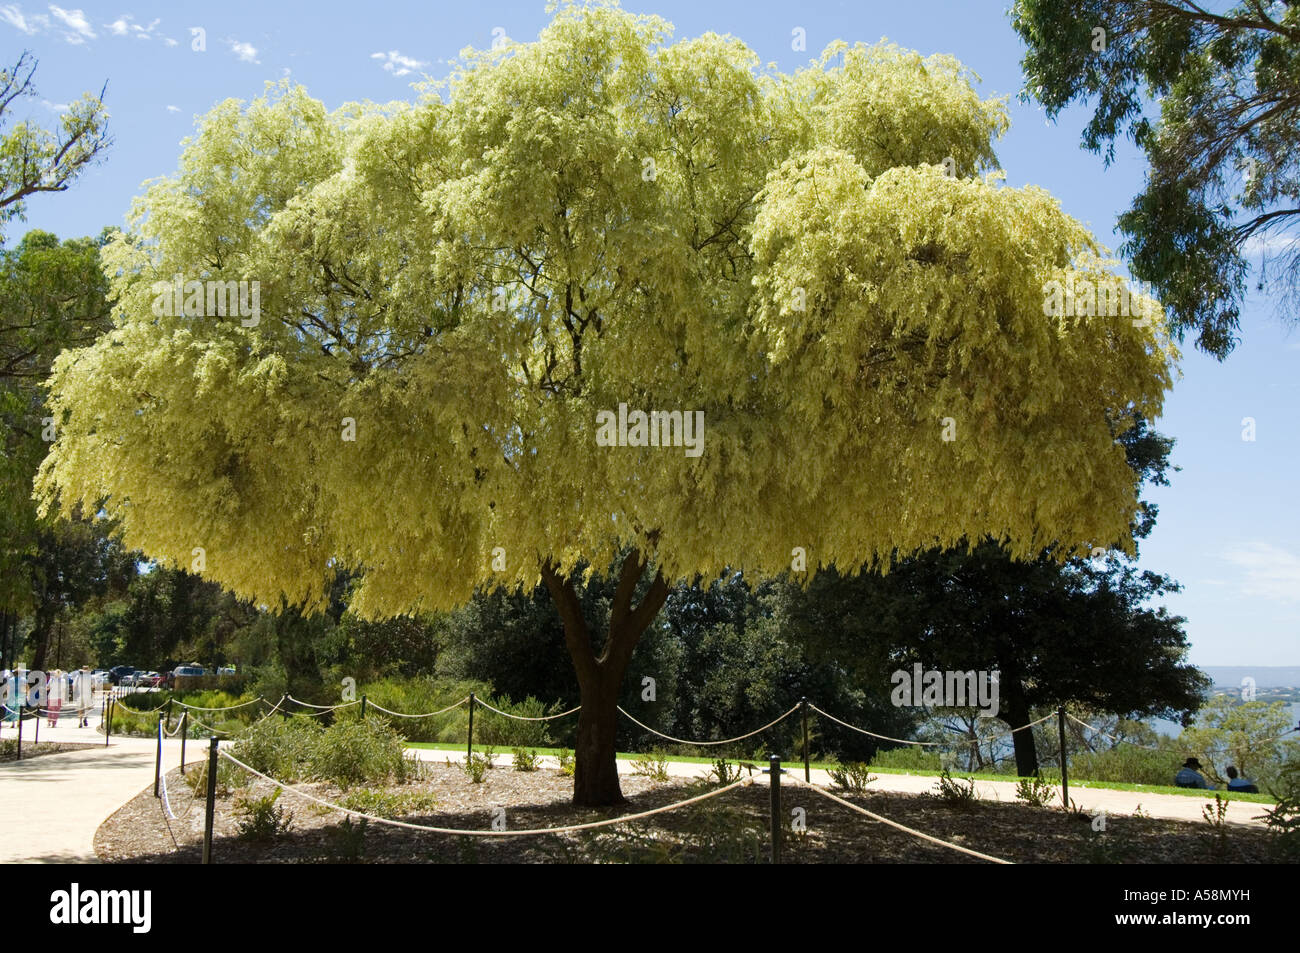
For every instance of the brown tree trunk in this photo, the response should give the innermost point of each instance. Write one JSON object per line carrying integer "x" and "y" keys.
{"x": 600, "y": 677}
{"x": 1015, "y": 712}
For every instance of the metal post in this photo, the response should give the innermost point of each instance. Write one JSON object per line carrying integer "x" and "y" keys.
{"x": 103, "y": 717}
{"x": 37, "y": 739}
{"x": 169, "y": 711}
{"x": 774, "y": 770}
{"x": 469, "y": 745}
{"x": 1065, "y": 762}
{"x": 20, "y": 732}
{"x": 108, "y": 725}
{"x": 363, "y": 707}
{"x": 212, "y": 800}
{"x": 157, "y": 761}
{"x": 185, "y": 730}
{"x": 807, "y": 766}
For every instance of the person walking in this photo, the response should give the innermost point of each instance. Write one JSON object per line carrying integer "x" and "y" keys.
{"x": 56, "y": 694}
{"x": 83, "y": 693}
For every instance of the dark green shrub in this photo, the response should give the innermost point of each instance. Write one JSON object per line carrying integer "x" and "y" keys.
{"x": 853, "y": 776}
{"x": 260, "y": 818}
{"x": 282, "y": 748}
{"x": 351, "y": 752}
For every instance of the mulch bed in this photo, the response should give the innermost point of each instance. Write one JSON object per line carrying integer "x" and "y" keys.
{"x": 9, "y": 749}
{"x": 732, "y": 828}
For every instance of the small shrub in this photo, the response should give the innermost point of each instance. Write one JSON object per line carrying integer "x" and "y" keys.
{"x": 724, "y": 772}
{"x": 477, "y": 766}
{"x": 260, "y": 818}
{"x": 1216, "y": 816}
{"x": 229, "y": 777}
{"x": 852, "y": 776}
{"x": 954, "y": 793}
{"x": 348, "y": 841}
{"x": 526, "y": 760}
{"x": 567, "y": 763}
{"x": 1035, "y": 791}
{"x": 1283, "y": 821}
{"x": 382, "y": 802}
{"x": 653, "y": 765}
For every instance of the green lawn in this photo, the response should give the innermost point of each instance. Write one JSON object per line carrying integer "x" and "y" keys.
{"x": 977, "y": 775}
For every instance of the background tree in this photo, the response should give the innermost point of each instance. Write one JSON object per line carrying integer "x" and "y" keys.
{"x": 1213, "y": 98}
{"x": 1080, "y": 633}
{"x": 452, "y": 291}
{"x": 34, "y": 160}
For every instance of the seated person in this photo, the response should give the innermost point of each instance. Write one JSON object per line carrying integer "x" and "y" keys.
{"x": 1189, "y": 776}
{"x": 1245, "y": 785}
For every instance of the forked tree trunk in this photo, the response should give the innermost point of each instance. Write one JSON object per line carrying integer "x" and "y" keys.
{"x": 600, "y": 677}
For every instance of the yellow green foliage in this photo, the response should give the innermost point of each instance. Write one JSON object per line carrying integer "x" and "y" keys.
{"x": 602, "y": 216}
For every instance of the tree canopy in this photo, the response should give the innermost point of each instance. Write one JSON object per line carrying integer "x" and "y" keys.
{"x": 452, "y": 290}
{"x": 1212, "y": 96}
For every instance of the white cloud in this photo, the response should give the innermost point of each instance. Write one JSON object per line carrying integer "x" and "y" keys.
{"x": 119, "y": 27}
{"x": 245, "y": 51}
{"x": 1268, "y": 571}
{"x": 396, "y": 63}
{"x": 173, "y": 109}
{"x": 15, "y": 17}
{"x": 56, "y": 107}
{"x": 169, "y": 41}
{"x": 75, "y": 21}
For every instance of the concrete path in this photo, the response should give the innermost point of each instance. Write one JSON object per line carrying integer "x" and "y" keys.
{"x": 51, "y": 806}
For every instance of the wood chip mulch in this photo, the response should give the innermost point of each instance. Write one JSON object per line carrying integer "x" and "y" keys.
{"x": 730, "y": 828}
{"x": 9, "y": 751}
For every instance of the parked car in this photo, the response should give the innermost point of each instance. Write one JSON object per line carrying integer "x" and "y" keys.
{"x": 118, "y": 673}
{"x": 170, "y": 680}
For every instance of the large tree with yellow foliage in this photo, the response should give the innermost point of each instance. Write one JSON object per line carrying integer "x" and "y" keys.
{"x": 452, "y": 290}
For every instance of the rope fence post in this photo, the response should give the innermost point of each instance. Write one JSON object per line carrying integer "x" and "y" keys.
{"x": 1065, "y": 761}
{"x": 774, "y": 770}
{"x": 108, "y": 724}
{"x": 37, "y": 739}
{"x": 169, "y": 711}
{"x": 363, "y": 707}
{"x": 185, "y": 730}
{"x": 157, "y": 761}
{"x": 807, "y": 765}
{"x": 20, "y": 732}
{"x": 212, "y": 800}
{"x": 469, "y": 743}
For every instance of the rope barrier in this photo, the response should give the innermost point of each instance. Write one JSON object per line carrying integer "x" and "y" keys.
{"x": 526, "y": 717}
{"x": 208, "y": 728}
{"x": 323, "y": 707}
{"x": 430, "y": 714}
{"x": 724, "y": 741}
{"x": 905, "y": 741}
{"x": 506, "y": 833}
{"x": 902, "y": 827}
{"x": 1118, "y": 741}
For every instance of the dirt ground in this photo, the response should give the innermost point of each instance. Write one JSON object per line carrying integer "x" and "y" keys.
{"x": 9, "y": 749}
{"x": 732, "y": 827}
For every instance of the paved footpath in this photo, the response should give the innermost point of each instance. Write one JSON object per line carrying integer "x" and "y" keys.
{"x": 51, "y": 806}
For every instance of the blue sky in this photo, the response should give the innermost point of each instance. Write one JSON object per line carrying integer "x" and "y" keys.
{"x": 1228, "y": 527}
